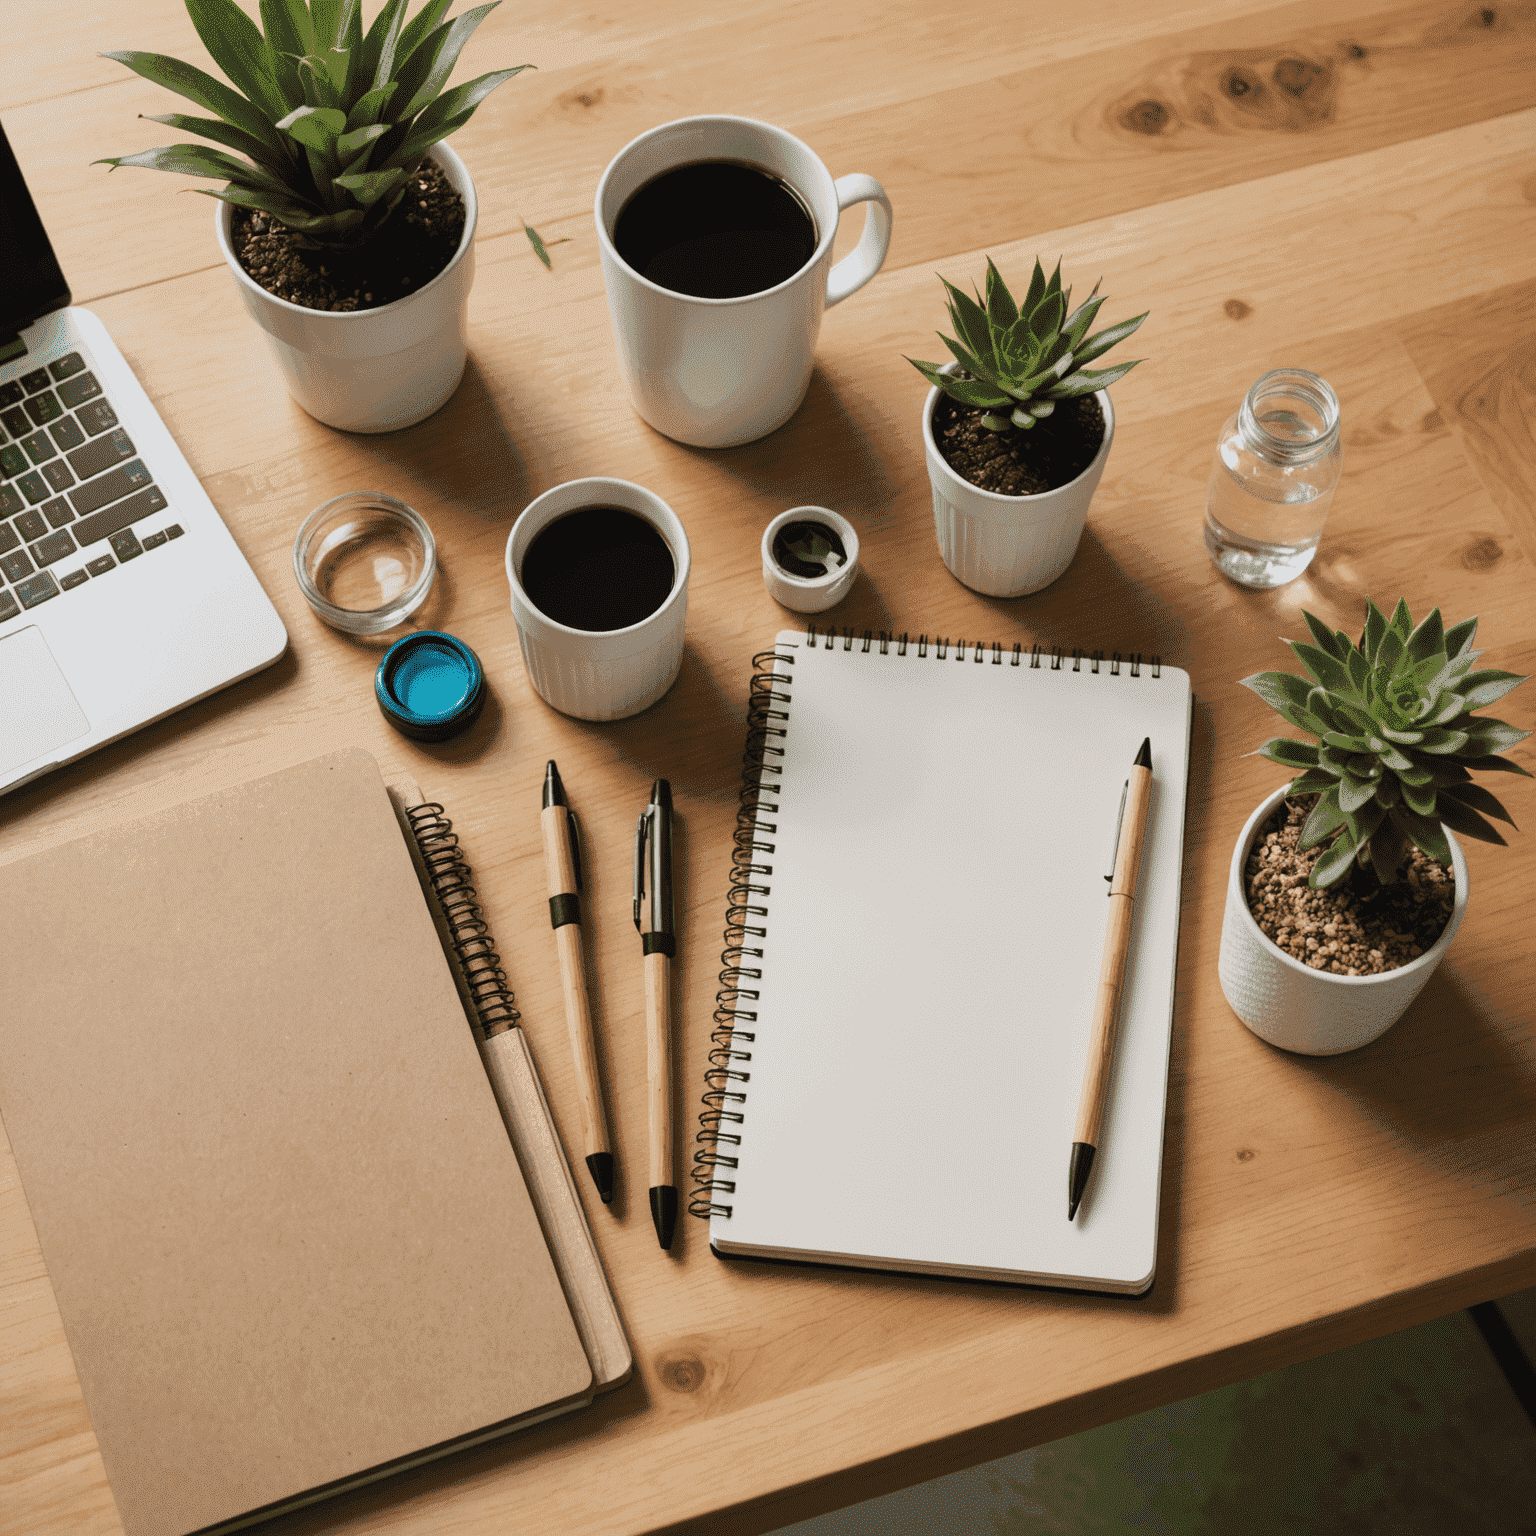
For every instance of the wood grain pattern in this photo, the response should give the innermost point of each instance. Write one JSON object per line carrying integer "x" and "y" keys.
{"x": 659, "y": 1090}
{"x": 1372, "y": 217}
{"x": 1104, "y": 1027}
{"x": 560, "y": 867}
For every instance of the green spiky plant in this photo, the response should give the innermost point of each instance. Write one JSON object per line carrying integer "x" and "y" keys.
{"x": 1022, "y": 358}
{"x": 333, "y": 121}
{"x": 809, "y": 553}
{"x": 1397, "y": 738}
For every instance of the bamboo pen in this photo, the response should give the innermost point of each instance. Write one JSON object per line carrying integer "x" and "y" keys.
{"x": 1106, "y": 1009}
{"x": 563, "y": 867}
{"x": 654, "y": 919}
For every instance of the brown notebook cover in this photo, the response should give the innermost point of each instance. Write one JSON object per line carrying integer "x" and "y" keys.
{"x": 287, "y": 1232}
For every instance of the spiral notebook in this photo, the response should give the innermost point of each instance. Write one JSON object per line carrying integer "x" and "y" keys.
{"x": 293, "y": 1244}
{"x": 916, "y": 921}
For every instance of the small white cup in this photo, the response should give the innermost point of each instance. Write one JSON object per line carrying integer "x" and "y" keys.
{"x": 811, "y": 594}
{"x": 600, "y": 674}
{"x": 715, "y": 373}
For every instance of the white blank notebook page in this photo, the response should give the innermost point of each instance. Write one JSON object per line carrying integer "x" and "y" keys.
{"x": 934, "y": 932}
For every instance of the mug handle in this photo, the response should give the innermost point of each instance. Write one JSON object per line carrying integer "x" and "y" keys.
{"x": 867, "y": 257}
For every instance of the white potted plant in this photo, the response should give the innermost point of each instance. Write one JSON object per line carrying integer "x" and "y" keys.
{"x": 810, "y": 558}
{"x": 1339, "y": 906}
{"x": 349, "y": 225}
{"x": 1016, "y": 431}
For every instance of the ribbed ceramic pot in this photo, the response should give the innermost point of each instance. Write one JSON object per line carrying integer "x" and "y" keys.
{"x": 600, "y": 674}
{"x": 1006, "y": 546}
{"x": 1315, "y": 1012}
{"x": 372, "y": 370}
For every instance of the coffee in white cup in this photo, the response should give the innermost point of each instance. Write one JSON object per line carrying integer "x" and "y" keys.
{"x": 691, "y": 217}
{"x": 598, "y": 570}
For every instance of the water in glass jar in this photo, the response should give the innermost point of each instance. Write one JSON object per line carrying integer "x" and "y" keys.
{"x": 1262, "y": 535}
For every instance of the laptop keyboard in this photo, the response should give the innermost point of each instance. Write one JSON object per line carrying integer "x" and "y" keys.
{"x": 69, "y": 477}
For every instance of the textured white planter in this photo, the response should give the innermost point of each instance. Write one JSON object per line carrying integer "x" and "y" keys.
{"x": 810, "y": 594}
{"x": 1005, "y": 546}
{"x": 1315, "y": 1012}
{"x": 600, "y": 674}
{"x": 374, "y": 370}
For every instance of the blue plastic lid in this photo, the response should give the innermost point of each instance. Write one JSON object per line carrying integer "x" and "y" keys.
{"x": 430, "y": 686}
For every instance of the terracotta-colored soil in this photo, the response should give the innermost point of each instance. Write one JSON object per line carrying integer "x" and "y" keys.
{"x": 1337, "y": 930}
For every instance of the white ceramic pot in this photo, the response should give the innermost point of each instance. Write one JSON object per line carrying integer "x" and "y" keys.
{"x": 1315, "y": 1012}
{"x": 600, "y": 674}
{"x": 811, "y": 594}
{"x": 716, "y": 373}
{"x": 373, "y": 370}
{"x": 1005, "y": 546}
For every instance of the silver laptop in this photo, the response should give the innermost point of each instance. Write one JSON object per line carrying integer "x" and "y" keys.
{"x": 122, "y": 595}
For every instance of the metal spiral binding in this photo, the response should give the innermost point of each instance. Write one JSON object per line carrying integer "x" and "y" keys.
{"x": 468, "y": 933}
{"x": 714, "y": 1158}
{"x": 1053, "y": 656}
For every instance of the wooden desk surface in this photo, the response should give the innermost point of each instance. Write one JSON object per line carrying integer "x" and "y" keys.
{"x": 1346, "y": 186}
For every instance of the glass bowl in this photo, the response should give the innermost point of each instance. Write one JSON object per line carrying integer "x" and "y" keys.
{"x": 364, "y": 561}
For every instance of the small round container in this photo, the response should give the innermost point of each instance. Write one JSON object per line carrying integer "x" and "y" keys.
{"x": 808, "y": 593}
{"x": 430, "y": 686}
{"x": 365, "y": 562}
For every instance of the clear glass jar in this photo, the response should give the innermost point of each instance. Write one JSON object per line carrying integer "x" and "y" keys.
{"x": 365, "y": 561}
{"x": 1272, "y": 479}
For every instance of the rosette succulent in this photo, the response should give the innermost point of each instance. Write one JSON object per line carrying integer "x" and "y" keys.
{"x": 1019, "y": 359}
{"x": 1397, "y": 738}
{"x": 333, "y": 121}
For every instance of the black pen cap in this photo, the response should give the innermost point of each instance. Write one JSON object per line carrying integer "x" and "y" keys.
{"x": 554, "y": 790}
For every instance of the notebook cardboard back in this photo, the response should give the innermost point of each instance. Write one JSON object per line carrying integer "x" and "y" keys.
{"x": 286, "y": 1230}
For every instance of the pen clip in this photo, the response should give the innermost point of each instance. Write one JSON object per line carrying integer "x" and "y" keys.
{"x": 640, "y": 835}
{"x": 1114, "y": 847}
{"x": 575, "y": 845}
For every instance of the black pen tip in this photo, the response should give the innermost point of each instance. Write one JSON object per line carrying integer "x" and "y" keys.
{"x": 1143, "y": 758}
{"x": 661, "y": 793}
{"x": 664, "y": 1212}
{"x": 601, "y": 1166}
{"x": 1077, "y": 1175}
{"x": 554, "y": 790}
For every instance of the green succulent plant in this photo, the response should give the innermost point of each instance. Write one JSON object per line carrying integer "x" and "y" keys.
{"x": 333, "y": 121}
{"x": 1022, "y": 358}
{"x": 1397, "y": 738}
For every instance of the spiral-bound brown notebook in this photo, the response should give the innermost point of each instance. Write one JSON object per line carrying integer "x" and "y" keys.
{"x": 291, "y": 1241}
{"x": 915, "y": 931}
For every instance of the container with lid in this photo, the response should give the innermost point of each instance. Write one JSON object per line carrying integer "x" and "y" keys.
{"x": 430, "y": 686}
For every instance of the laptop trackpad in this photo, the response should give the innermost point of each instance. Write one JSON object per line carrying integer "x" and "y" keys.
{"x": 38, "y": 712}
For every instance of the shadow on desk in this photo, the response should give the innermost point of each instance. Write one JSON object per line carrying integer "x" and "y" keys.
{"x": 820, "y": 457}
{"x": 1446, "y": 1053}
{"x": 465, "y": 453}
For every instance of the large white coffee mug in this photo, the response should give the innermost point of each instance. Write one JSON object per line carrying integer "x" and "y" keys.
{"x": 600, "y": 674}
{"x": 718, "y": 372}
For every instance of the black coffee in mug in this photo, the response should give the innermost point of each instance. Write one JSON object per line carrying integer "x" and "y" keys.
{"x": 716, "y": 229}
{"x": 598, "y": 568}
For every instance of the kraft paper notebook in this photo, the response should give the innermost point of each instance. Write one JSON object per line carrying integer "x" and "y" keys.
{"x": 291, "y": 1240}
{"x": 917, "y": 919}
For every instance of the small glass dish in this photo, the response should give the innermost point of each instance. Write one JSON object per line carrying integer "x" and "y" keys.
{"x": 364, "y": 561}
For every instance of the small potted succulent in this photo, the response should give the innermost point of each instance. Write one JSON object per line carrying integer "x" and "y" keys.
{"x": 1347, "y": 885}
{"x": 349, "y": 224}
{"x": 1016, "y": 430}
{"x": 810, "y": 558}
